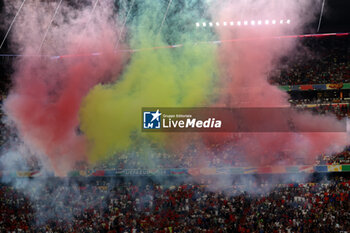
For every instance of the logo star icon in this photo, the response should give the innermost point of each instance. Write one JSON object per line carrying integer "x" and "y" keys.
{"x": 156, "y": 115}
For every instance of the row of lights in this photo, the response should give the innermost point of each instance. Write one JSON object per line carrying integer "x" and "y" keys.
{"x": 245, "y": 23}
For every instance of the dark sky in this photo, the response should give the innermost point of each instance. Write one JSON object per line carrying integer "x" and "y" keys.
{"x": 336, "y": 16}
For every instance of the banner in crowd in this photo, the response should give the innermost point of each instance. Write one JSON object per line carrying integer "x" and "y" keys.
{"x": 331, "y": 86}
{"x": 208, "y": 171}
{"x": 218, "y": 171}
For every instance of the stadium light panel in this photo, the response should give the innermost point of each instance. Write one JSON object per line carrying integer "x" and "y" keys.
{"x": 244, "y": 22}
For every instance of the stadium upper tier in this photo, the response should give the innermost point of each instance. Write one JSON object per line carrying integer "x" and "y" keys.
{"x": 316, "y": 61}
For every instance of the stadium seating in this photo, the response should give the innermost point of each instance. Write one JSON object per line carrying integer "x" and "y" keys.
{"x": 106, "y": 206}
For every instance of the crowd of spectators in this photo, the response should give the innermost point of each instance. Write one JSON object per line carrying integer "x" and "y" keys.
{"x": 151, "y": 207}
{"x": 317, "y": 61}
{"x": 339, "y": 158}
{"x": 341, "y": 110}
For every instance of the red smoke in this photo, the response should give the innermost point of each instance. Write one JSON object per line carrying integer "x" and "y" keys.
{"x": 45, "y": 99}
{"x": 246, "y": 66}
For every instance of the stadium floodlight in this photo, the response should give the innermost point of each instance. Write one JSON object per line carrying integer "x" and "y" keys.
{"x": 244, "y": 22}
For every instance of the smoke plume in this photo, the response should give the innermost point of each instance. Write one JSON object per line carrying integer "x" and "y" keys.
{"x": 84, "y": 108}
{"x": 47, "y": 91}
{"x": 178, "y": 77}
{"x": 245, "y": 68}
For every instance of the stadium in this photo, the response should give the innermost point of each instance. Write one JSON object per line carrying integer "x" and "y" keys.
{"x": 174, "y": 116}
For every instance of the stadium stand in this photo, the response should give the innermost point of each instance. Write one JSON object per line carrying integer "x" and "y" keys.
{"x": 126, "y": 207}
{"x": 319, "y": 61}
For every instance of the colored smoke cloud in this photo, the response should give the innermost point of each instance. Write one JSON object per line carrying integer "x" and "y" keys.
{"x": 246, "y": 66}
{"x": 84, "y": 108}
{"x": 178, "y": 77}
{"x": 46, "y": 95}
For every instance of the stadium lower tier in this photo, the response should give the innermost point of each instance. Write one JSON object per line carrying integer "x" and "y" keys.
{"x": 141, "y": 205}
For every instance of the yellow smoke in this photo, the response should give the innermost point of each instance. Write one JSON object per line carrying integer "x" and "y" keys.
{"x": 177, "y": 77}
